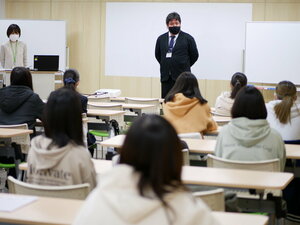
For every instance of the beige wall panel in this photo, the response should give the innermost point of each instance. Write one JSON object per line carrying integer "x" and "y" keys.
{"x": 282, "y": 1}
{"x": 83, "y": 38}
{"x": 28, "y": 10}
{"x": 238, "y": 1}
{"x": 283, "y": 12}
{"x": 258, "y": 11}
{"x": 130, "y": 86}
{"x": 156, "y": 87}
{"x": 214, "y": 88}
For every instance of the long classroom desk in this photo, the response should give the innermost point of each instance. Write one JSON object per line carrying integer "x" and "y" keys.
{"x": 108, "y": 115}
{"x": 52, "y": 211}
{"x": 139, "y": 109}
{"x": 220, "y": 177}
{"x": 204, "y": 146}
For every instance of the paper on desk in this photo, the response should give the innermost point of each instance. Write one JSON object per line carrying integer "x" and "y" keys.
{"x": 9, "y": 203}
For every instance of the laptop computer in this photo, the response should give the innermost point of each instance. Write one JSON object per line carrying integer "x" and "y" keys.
{"x": 46, "y": 62}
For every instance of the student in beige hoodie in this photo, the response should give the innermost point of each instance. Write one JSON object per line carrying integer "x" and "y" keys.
{"x": 59, "y": 157}
{"x": 225, "y": 101}
{"x": 186, "y": 109}
{"x": 146, "y": 187}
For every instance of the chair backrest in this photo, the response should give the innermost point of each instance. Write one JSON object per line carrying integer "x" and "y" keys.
{"x": 146, "y": 101}
{"x": 23, "y": 140}
{"x": 214, "y": 199}
{"x": 186, "y": 157}
{"x": 78, "y": 191}
{"x": 105, "y": 107}
{"x": 96, "y": 98}
{"x": 271, "y": 165}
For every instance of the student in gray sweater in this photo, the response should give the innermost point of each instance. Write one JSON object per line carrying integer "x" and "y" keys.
{"x": 249, "y": 137}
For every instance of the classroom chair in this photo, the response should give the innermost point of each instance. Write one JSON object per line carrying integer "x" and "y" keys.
{"x": 146, "y": 101}
{"x": 214, "y": 199}
{"x": 271, "y": 165}
{"x": 23, "y": 141}
{"x": 78, "y": 191}
{"x": 95, "y": 98}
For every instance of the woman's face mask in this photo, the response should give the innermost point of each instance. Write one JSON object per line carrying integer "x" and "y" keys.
{"x": 14, "y": 37}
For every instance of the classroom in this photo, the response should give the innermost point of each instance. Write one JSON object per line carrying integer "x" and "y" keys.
{"x": 112, "y": 46}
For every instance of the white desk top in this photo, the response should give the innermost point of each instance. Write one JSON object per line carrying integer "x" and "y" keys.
{"x": 124, "y": 105}
{"x": 8, "y": 132}
{"x": 205, "y": 146}
{"x": 58, "y": 211}
{"x": 217, "y": 176}
{"x": 97, "y": 112}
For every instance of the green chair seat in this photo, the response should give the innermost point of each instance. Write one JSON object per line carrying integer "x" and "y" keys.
{"x": 7, "y": 166}
{"x": 99, "y": 133}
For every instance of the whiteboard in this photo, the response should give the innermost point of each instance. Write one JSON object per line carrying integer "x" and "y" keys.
{"x": 273, "y": 52}
{"x": 42, "y": 37}
{"x": 133, "y": 27}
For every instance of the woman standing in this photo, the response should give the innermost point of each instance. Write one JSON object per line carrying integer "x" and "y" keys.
{"x": 14, "y": 52}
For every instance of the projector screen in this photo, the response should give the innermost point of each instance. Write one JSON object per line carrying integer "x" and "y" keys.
{"x": 133, "y": 27}
{"x": 273, "y": 52}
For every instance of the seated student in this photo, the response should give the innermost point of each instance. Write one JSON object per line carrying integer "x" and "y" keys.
{"x": 284, "y": 114}
{"x": 146, "y": 187}
{"x": 59, "y": 157}
{"x": 186, "y": 109}
{"x": 248, "y": 136}
{"x": 18, "y": 103}
{"x": 71, "y": 80}
{"x": 225, "y": 101}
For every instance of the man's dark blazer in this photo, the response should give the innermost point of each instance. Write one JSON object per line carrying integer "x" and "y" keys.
{"x": 184, "y": 55}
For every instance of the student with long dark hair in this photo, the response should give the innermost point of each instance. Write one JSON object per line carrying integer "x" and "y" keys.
{"x": 18, "y": 103}
{"x": 225, "y": 101}
{"x": 186, "y": 109}
{"x": 59, "y": 157}
{"x": 284, "y": 113}
{"x": 146, "y": 187}
{"x": 71, "y": 80}
{"x": 248, "y": 136}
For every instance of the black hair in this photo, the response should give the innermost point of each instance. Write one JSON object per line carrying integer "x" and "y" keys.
{"x": 238, "y": 80}
{"x": 186, "y": 84}
{"x": 71, "y": 77}
{"x": 153, "y": 148}
{"x": 13, "y": 28}
{"x": 21, "y": 76}
{"x": 62, "y": 118}
{"x": 249, "y": 103}
{"x": 173, "y": 16}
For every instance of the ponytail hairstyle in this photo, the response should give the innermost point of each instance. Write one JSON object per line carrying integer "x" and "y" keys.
{"x": 71, "y": 77}
{"x": 286, "y": 92}
{"x": 238, "y": 80}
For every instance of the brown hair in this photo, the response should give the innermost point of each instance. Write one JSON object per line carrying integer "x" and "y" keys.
{"x": 286, "y": 92}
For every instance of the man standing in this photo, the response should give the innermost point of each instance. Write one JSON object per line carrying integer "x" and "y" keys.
{"x": 175, "y": 51}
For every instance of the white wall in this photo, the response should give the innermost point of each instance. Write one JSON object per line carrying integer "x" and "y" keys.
{"x": 2, "y": 9}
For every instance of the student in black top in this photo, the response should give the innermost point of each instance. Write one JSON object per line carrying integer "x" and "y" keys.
{"x": 175, "y": 51}
{"x": 71, "y": 80}
{"x": 18, "y": 103}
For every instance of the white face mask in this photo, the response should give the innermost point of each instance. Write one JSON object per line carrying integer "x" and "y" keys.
{"x": 14, "y": 37}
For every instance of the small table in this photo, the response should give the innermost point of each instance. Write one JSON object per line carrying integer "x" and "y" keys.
{"x": 108, "y": 115}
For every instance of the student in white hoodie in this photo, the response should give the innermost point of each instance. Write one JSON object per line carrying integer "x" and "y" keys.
{"x": 146, "y": 187}
{"x": 283, "y": 112}
{"x": 225, "y": 101}
{"x": 248, "y": 136}
{"x": 59, "y": 157}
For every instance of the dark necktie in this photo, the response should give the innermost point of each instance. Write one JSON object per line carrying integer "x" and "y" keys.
{"x": 171, "y": 45}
